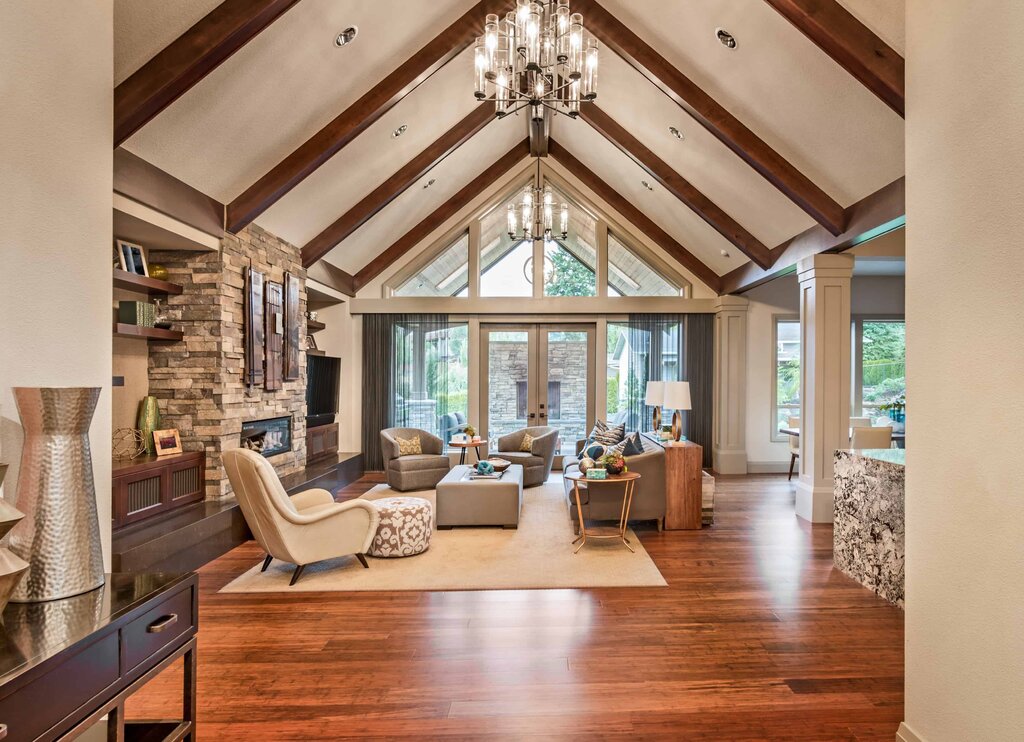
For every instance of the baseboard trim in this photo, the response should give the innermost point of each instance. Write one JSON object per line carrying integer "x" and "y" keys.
{"x": 905, "y": 734}
{"x": 768, "y": 467}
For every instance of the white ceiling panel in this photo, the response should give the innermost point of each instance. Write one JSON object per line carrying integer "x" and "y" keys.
{"x": 700, "y": 158}
{"x": 406, "y": 211}
{"x": 780, "y": 85}
{"x": 429, "y": 111}
{"x": 282, "y": 87}
{"x": 144, "y": 27}
{"x": 886, "y": 18}
{"x": 626, "y": 177}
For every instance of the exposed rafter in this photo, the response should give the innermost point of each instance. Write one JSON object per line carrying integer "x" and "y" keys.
{"x": 355, "y": 119}
{"x": 635, "y": 217}
{"x": 872, "y": 216}
{"x": 850, "y": 43}
{"x": 394, "y": 186}
{"x": 712, "y": 116}
{"x": 452, "y": 206}
{"x": 332, "y": 276}
{"x": 540, "y": 134}
{"x": 188, "y": 59}
{"x": 677, "y": 185}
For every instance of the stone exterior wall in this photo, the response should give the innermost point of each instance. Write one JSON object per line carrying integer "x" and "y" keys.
{"x": 199, "y": 381}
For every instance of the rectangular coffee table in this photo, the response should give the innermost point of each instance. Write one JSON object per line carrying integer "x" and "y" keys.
{"x": 480, "y": 502}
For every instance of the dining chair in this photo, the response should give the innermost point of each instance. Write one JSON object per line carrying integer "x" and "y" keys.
{"x": 871, "y": 438}
{"x": 860, "y": 422}
{"x": 794, "y": 447}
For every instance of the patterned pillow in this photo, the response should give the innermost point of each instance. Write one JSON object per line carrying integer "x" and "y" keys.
{"x": 619, "y": 449}
{"x": 608, "y": 435}
{"x": 409, "y": 447}
{"x": 527, "y": 444}
{"x": 593, "y": 450}
{"x": 632, "y": 446}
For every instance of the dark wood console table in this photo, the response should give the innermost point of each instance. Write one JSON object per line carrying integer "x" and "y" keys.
{"x": 66, "y": 664}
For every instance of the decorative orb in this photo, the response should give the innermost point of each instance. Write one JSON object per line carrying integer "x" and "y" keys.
{"x": 127, "y": 443}
{"x": 158, "y": 271}
{"x": 485, "y": 467}
{"x": 586, "y": 464}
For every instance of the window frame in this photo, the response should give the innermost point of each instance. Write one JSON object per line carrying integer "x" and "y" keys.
{"x": 857, "y": 354}
{"x": 774, "y": 435}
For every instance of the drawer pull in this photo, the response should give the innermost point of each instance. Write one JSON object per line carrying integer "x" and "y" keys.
{"x": 162, "y": 623}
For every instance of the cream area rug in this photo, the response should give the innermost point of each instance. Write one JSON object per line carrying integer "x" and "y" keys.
{"x": 539, "y": 554}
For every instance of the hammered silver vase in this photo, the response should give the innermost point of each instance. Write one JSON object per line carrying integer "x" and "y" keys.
{"x": 60, "y": 535}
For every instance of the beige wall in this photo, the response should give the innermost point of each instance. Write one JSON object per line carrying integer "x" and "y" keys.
{"x": 870, "y": 295}
{"x": 965, "y": 318}
{"x": 56, "y": 145}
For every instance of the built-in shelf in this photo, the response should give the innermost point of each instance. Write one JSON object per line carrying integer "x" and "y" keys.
{"x": 313, "y": 325}
{"x": 144, "y": 284}
{"x": 121, "y": 330}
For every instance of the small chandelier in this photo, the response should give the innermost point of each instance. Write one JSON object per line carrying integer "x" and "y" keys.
{"x": 537, "y": 56}
{"x": 533, "y": 218}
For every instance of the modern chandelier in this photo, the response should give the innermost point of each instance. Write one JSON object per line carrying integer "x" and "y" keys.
{"x": 538, "y": 56}
{"x": 533, "y": 218}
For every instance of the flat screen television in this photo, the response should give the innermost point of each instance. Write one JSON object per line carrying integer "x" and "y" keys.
{"x": 323, "y": 375}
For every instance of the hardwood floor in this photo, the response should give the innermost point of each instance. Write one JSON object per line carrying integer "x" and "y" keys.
{"x": 757, "y": 637}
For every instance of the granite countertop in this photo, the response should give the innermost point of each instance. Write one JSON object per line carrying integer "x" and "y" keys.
{"x": 897, "y": 456}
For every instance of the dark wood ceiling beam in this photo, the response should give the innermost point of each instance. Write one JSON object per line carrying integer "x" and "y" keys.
{"x": 635, "y": 217}
{"x": 676, "y": 184}
{"x": 712, "y": 116}
{"x": 188, "y": 59}
{"x": 355, "y": 119}
{"x": 439, "y": 216}
{"x": 856, "y": 48}
{"x": 332, "y": 276}
{"x": 540, "y": 134}
{"x": 394, "y": 186}
{"x": 881, "y": 212}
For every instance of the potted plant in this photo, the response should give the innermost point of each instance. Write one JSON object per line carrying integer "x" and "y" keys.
{"x": 614, "y": 463}
{"x": 471, "y": 432}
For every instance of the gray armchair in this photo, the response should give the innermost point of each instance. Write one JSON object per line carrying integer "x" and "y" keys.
{"x": 417, "y": 471}
{"x": 537, "y": 462}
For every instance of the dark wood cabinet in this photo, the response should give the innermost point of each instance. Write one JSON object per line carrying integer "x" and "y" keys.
{"x": 65, "y": 664}
{"x": 154, "y": 484}
{"x": 321, "y": 442}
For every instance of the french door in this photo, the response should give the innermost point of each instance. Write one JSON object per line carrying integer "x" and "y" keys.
{"x": 537, "y": 374}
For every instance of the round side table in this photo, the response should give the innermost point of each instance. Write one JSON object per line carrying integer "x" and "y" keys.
{"x": 475, "y": 445}
{"x": 628, "y": 482}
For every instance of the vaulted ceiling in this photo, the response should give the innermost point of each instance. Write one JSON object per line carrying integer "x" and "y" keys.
{"x": 784, "y": 138}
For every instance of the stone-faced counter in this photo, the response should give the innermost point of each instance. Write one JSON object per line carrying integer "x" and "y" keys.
{"x": 868, "y": 540}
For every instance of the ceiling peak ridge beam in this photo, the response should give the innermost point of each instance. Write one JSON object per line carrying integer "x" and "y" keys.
{"x": 443, "y": 213}
{"x": 636, "y": 217}
{"x": 714, "y": 117}
{"x": 188, "y": 59}
{"x": 396, "y": 185}
{"x": 854, "y": 46}
{"x": 677, "y": 185}
{"x": 871, "y": 217}
{"x": 359, "y": 116}
{"x": 540, "y": 134}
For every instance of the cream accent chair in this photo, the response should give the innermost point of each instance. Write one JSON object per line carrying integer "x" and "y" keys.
{"x": 304, "y": 528}
{"x": 871, "y": 438}
{"x": 794, "y": 447}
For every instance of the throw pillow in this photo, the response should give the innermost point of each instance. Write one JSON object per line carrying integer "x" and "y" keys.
{"x": 619, "y": 449}
{"x": 594, "y": 451}
{"x": 527, "y": 445}
{"x": 633, "y": 446}
{"x": 606, "y": 434}
{"x": 409, "y": 447}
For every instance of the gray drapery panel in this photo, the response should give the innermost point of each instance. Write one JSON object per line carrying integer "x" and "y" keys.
{"x": 699, "y": 332}
{"x": 656, "y": 351}
{"x": 405, "y": 376}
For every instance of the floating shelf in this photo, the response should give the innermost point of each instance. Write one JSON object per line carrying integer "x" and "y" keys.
{"x": 122, "y": 330}
{"x": 144, "y": 284}
{"x": 316, "y": 352}
{"x": 313, "y": 325}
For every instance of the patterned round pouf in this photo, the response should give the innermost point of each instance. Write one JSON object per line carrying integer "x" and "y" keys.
{"x": 404, "y": 528}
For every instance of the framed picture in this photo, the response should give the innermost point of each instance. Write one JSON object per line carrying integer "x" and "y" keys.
{"x": 132, "y": 258}
{"x": 167, "y": 441}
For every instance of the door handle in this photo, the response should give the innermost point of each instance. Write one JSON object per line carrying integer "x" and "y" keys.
{"x": 533, "y": 415}
{"x": 543, "y": 415}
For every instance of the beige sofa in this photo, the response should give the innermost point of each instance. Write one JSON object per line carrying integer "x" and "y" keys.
{"x": 538, "y": 460}
{"x": 417, "y": 471}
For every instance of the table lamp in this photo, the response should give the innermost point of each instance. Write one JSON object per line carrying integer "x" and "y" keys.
{"x": 677, "y": 397}
{"x": 655, "y": 398}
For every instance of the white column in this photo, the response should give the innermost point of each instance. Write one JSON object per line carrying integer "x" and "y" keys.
{"x": 730, "y": 392}
{"x": 824, "y": 378}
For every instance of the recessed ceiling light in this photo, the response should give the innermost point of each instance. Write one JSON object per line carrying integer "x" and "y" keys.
{"x": 725, "y": 253}
{"x": 399, "y": 131}
{"x": 429, "y": 183}
{"x": 727, "y": 39}
{"x": 646, "y": 185}
{"x": 675, "y": 132}
{"x": 347, "y": 36}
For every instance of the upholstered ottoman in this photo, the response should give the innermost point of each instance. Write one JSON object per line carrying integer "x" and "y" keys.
{"x": 480, "y": 502}
{"x": 404, "y": 528}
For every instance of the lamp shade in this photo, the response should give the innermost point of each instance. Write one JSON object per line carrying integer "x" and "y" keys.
{"x": 677, "y": 395}
{"x": 655, "y": 394}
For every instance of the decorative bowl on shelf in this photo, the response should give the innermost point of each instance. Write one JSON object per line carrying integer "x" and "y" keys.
{"x": 499, "y": 464}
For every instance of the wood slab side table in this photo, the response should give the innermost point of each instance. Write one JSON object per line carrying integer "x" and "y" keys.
{"x": 683, "y": 475}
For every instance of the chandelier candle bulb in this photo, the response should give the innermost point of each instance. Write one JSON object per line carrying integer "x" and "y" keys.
{"x": 576, "y": 46}
{"x": 590, "y": 74}
{"x": 480, "y": 69}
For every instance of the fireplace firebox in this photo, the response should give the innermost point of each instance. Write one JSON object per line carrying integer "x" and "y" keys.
{"x": 267, "y": 437}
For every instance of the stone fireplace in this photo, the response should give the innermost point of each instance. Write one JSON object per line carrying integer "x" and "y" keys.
{"x": 199, "y": 381}
{"x": 267, "y": 437}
